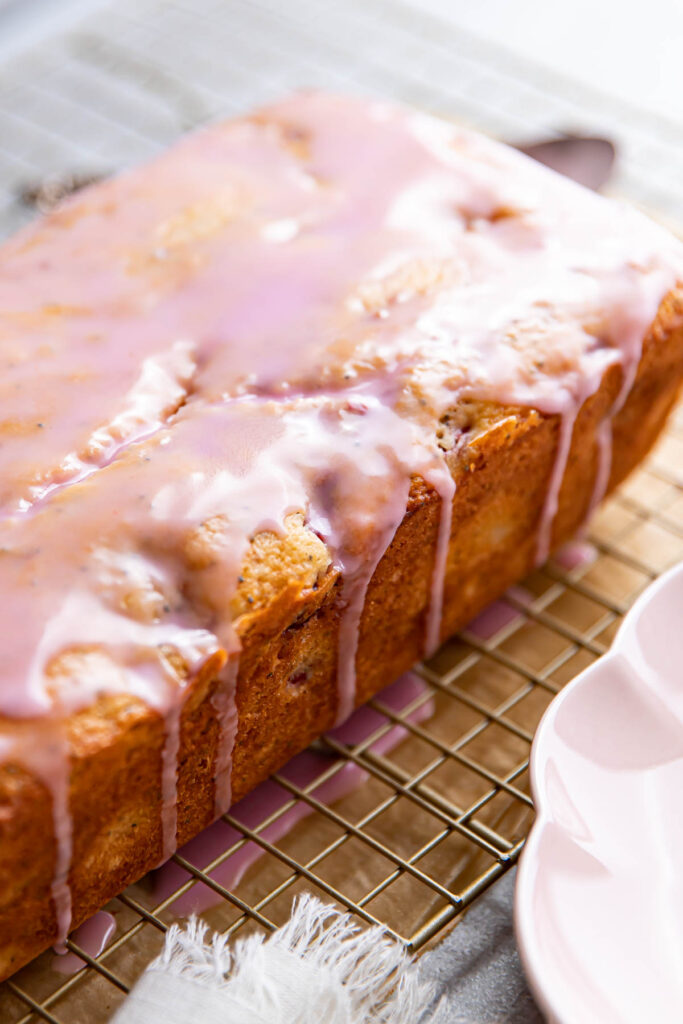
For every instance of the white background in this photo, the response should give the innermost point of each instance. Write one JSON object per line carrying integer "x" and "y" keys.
{"x": 630, "y": 48}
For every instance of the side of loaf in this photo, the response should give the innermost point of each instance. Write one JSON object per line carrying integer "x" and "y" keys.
{"x": 116, "y": 746}
{"x": 281, "y": 410}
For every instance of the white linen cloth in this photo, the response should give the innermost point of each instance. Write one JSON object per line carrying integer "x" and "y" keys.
{"x": 321, "y": 968}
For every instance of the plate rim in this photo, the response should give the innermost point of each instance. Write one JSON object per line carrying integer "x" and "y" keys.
{"x": 530, "y": 950}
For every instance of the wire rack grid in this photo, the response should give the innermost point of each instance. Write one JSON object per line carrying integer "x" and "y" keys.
{"x": 406, "y": 822}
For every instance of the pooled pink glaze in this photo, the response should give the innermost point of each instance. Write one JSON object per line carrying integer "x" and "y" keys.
{"x": 575, "y": 555}
{"x": 273, "y": 317}
{"x": 92, "y": 936}
{"x": 499, "y": 614}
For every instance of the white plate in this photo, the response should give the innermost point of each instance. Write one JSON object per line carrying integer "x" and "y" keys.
{"x": 599, "y": 900}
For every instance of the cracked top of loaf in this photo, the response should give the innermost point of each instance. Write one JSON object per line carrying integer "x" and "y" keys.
{"x": 220, "y": 372}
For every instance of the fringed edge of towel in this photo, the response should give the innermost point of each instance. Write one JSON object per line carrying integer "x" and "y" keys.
{"x": 369, "y": 970}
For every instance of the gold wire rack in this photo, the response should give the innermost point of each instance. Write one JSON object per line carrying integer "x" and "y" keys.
{"x": 438, "y": 805}
{"x": 406, "y": 823}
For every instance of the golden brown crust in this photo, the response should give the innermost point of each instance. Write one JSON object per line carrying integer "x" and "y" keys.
{"x": 286, "y": 692}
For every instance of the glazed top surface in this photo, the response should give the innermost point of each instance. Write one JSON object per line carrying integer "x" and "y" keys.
{"x": 272, "y": 318}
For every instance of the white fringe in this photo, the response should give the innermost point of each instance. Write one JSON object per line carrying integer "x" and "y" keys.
{"x": 321, "y": 968}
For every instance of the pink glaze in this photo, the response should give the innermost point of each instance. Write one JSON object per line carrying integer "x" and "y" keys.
{"x": 41, "y": 748}
{"x": 357, "y": 573}
{"x": 273, "y": 317}
{"x": 92, "y": 936}
{"x": 63, "y": 833}
{"x": 552, "y": 497}
{"x": 499, "y": 614}
{"x": 627, "y": 326}
{"x": 444, "y": 484}
{"x": 603, "y": 439}
{"x": 169, "y": 764}
{"x": 268, "y": 798}
{"x": 223, "y": 701}
{"x": 575, "y": 555}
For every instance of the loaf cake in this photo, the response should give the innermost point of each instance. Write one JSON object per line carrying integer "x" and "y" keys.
{"x": 279, "y": 411}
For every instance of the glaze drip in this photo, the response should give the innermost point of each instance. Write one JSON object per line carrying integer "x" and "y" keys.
{"x": 552, "y": 497}
{"x": 270, "y": 321}
{"x": 603, "y": 440}
{"x": 223, "y": 701}
{"x": 444, "y": 485}
{"x": 169, "y": 781}
{"x": 42, "y": 749}
{"x": 63, "y": 832}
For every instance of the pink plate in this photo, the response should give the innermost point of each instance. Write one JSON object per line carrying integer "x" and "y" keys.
{"x": 599, "y": 900}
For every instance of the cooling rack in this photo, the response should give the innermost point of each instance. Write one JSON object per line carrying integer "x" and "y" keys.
{"x": 407, "y": 817}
